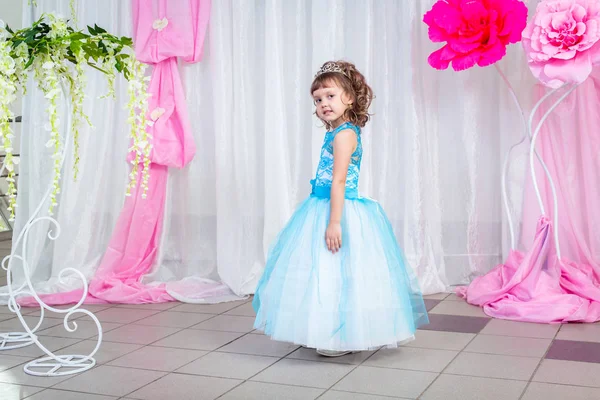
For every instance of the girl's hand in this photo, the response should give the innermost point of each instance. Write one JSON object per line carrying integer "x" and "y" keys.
{"x": 333, "y": 237}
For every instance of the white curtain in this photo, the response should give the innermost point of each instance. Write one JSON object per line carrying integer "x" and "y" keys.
{"x": 433, "y": 151}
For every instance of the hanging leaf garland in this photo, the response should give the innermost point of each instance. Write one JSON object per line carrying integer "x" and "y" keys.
{"x": 55, "y": 52}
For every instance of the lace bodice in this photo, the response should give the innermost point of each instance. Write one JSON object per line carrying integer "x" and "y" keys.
{"x": 324, "y": 175}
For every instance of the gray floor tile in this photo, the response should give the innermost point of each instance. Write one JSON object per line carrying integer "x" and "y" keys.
{"x": 493, "y": 366}
{"x": 458, "y": 308}
{"x": 8, "y": 361}
{"x": 311, "y": 355}
{"x": 208, "y": 308}
{"x": 139, "y": 334}
{"x": 548, "y": 391}
{"x": 123, "y": 315}
{"x": 304, "y": 373}
{"x": 198, "y": 340}
{"x": 228, "y": 365}
{"x": 431, "y": 360}
{"x": 337, "y": 395}
{"x": 259, "y": 345}
{"x": 185, "y": 387}
{"x": 108, "y": 350}
{"x": 111, "y": 381}
{"x": 580, "y": 332}
{"x": 245, "y": 310}
{"x": 520, "y": 329}
{"x": 17, "y": 376}
{"x": 455, "y": 323}
{"x": 454, "y": 387}
{"x": 510, "y": 346}
{"x": 158, "y": 358}
{"x": 568, "y": 373}
{"x": 174, "y": 319}
{"x": 151, "y": 306}
{"x": 270, "y": 391}
{"x": 569, "y": 350}
{"x": 85, "y": 330}
{"x": 53, "y": 394}
{"x": 55, "y": 344}
{"x": 227, "y": 323}
{"x": 441, "y": 340}
{"x": 386, "y": 382}
{"x": 17, "y": 392}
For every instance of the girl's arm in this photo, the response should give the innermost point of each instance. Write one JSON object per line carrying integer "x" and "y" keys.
{"x": 344, "y": 146}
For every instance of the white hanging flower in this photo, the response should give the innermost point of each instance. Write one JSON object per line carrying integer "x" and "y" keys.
{"x": 160, "y": 24}
{"x": 3, "y": 31}
{"x": 157, "y": 113}
{"x": 142, "y": 144}
{"x": 60, "y": 61}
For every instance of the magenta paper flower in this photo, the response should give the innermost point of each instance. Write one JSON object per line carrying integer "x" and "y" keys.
{"x": 561, "y": 41}
{"x": 476, "y": 31}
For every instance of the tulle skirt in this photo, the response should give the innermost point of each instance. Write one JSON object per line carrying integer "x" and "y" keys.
{"x": 364, "y": 297}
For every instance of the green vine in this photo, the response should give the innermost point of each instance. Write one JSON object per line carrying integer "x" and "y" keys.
{"x": 56, "y": 52}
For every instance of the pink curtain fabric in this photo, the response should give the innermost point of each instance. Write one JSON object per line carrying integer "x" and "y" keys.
{"x": 534, "y": 285}
{"x": 163, "y": 30}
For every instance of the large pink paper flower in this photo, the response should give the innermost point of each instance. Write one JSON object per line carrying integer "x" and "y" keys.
{"x": 476, "y": 31}
{"x": 562, "y": 41}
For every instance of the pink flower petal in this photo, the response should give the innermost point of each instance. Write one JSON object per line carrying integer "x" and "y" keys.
{"x": 560, "y": 19}
{"x": 566, "y": 55}
{"x": 492, "y": 54}
{"x": 476, "y": 32}
{"x": 463, "y": 47}
{"x": 437, "y": 35}
{"x": 575, "y": 70}
{"x": 467, "y": 61}
{"x": 444, "y": 16}
{"x": 578, "y": 12}
{"x": 436, "y": 61}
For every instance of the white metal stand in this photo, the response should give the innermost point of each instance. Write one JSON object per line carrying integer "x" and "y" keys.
{"x": 52, "y": 364}
{"x": 533, "y": 135}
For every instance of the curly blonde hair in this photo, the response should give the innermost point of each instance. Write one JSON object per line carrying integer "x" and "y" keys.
{"x": 354, "y": 84}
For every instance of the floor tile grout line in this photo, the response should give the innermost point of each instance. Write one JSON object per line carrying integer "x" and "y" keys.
{"x": 208, "y": 351}
{"x": 98, "y": 364}
{"x": 539, "y": 364}
{"x": 44, "y": 355}
{"x": 67, "y": 390}
{"x": 152, "y": 343}
{"x": 368, "y": 394}
{"x": 451, "y": 361}
{"x": 180, "y": 330}
{"x": 259, "y": 372}
{"x": 346, "y": 375}
{"x": 113, "y": 306}
{"x": 242, "y": 334}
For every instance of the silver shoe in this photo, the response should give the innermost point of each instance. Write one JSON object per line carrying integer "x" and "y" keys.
{"x": 332, "y": 353}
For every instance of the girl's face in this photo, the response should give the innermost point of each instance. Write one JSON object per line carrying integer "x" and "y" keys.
{"x": 331, "y": 103}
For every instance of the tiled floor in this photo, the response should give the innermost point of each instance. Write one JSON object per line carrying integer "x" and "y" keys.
{"x": 185, "y": 351}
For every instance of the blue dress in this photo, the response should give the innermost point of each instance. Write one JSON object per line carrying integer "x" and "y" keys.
{"x": 361, "y": 298}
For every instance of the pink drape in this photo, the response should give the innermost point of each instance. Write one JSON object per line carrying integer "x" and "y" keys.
{"x": 163, "y": 31}
{"x": 534, "y": 285}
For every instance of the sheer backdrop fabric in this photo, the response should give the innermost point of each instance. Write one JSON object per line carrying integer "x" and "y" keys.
{"x": 433, "y": 151}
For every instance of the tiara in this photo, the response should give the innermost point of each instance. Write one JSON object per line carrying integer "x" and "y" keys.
{"x": 330, "y": 67}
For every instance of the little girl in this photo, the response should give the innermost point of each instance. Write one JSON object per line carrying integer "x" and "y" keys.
{"x": 336, "y": 279}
